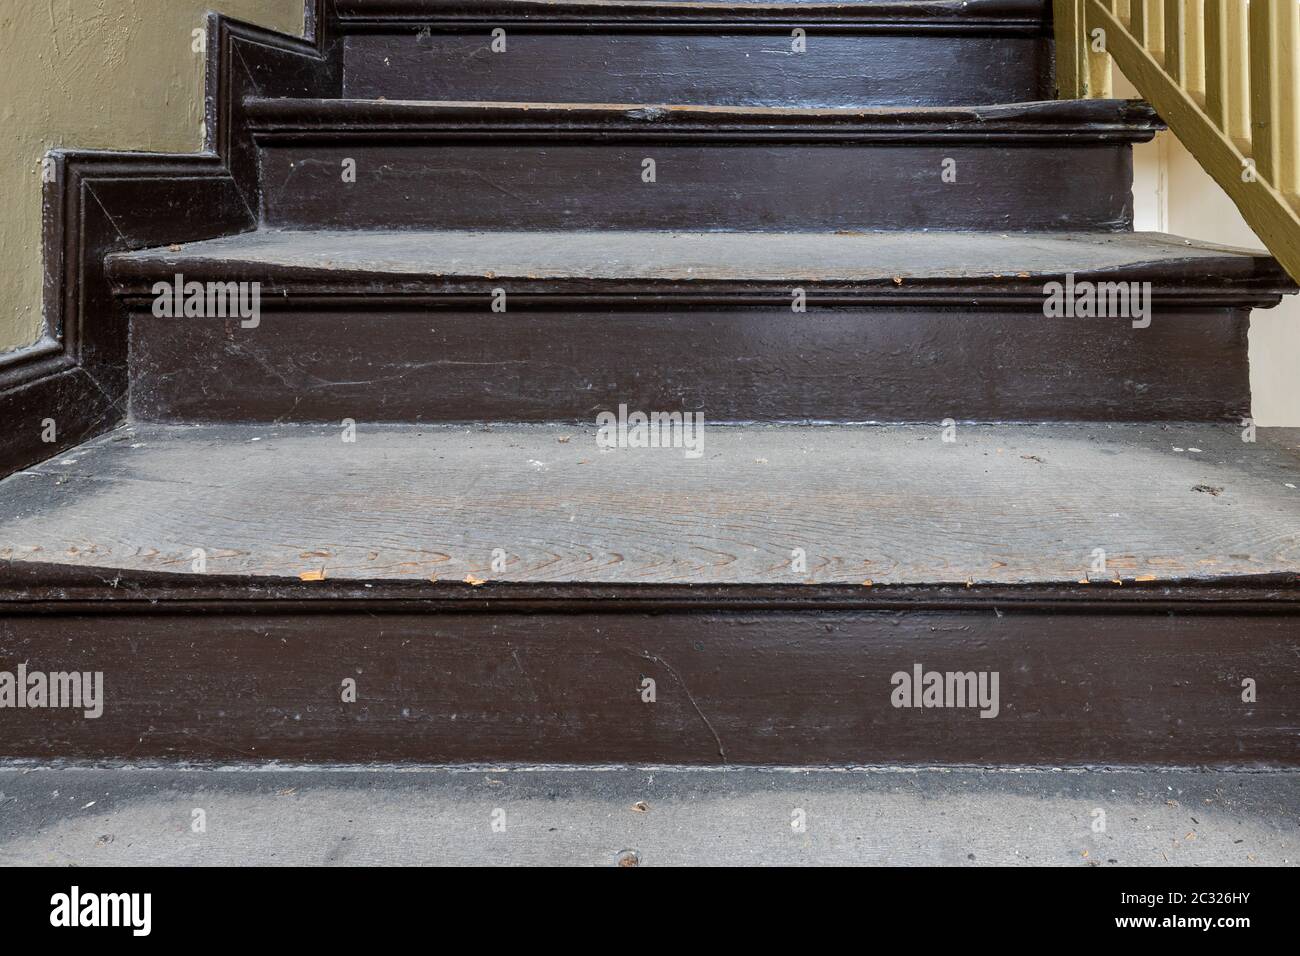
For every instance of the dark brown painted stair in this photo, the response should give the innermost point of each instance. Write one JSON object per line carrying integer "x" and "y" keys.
{"x": 1051, "y": 165}
{"x": 505, "y": 593}
{"x": 230, "y": 558}
{"x": 399, "y": 326}
{"x": 740, "y": 53}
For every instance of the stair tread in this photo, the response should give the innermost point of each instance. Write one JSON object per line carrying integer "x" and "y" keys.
{"x": 879, "y": 258}
{"x": 1131, "y": 120}
{"x": 890, "y": 504}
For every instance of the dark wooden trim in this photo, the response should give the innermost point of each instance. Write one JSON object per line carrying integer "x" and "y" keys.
{"x": 100, "y": 202}
{"x": 1194, "y": 284}
{"x": 989, "y": 18}
{"x": 249, "y": 61}
{"x": 295, "y": 297}
{"x": 337, "y": 121}
{"x": 42, "y": 588}
{"x": 1102, "y": 676}
{"x": 104, "y": 201}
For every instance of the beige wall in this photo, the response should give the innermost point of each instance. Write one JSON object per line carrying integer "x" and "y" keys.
{"x": 110, "y": 74}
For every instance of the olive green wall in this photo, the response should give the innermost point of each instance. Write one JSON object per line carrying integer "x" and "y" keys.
{"x": 108, "y": 74}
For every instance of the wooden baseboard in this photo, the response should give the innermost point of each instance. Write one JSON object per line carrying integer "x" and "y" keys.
{"x": 98, "y": 202}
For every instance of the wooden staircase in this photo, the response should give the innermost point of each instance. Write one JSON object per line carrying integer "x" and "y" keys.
{"x": 376, "y": 518}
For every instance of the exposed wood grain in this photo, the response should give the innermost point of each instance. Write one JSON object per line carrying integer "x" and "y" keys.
{"x": 886, "y": 504}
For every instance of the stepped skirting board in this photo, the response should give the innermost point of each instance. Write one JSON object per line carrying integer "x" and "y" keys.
{"x": 99, "y": 202}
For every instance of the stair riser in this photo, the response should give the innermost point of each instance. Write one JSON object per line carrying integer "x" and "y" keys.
{"x": 591, "y": 185}
{"x": 376, "y": 363}
{"x": 756, "y": 69}
{"x": 744, "y": 687}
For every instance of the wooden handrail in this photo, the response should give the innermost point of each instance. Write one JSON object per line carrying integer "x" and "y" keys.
{"x": 1225, "y": 76}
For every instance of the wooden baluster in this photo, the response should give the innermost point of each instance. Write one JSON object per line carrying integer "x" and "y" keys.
{"x": 1194, "y": 49}
{"x": 1217, "y": 40}
{"x": 1070, "y": 75}
{"x": 1099, "y": 64}
{"x": 1137, "y": 21}
{"x": 1175, "y": 55}
{"x": 1275, "y": 94}
{"x": 1156, "y": 28}
{"x": 1288, "y": 99}
{"x": 1146, "y": 23}
{"x": 1227, "y": 82}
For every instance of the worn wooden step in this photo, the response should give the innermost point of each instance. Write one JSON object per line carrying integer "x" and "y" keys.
{"x": 940, "y": 52}
{"x": 408, "y": 326}
{"x": 1124, "y": 583}
{"x": 460, "y": 165}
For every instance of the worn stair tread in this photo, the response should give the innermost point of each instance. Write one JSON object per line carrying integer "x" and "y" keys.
{"x": 899, "y": 262}
{"x": 885, "y": 504}
{"x": 1072, "y": 120}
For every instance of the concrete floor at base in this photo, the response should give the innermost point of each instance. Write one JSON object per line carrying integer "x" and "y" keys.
{"x": 66, "y": 816}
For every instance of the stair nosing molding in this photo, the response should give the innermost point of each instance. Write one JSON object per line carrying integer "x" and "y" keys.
{"x": 288, "y": 120}
{"x": 38, "y": 588}
{"x": 99, "y": 201}
{"x": 1233, "y": 280}
{"x": 802, "y": 670}
{"x": 623, "y": 297}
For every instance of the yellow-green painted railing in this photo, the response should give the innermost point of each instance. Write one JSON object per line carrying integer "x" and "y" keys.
{"x": 1225, "y": 76}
